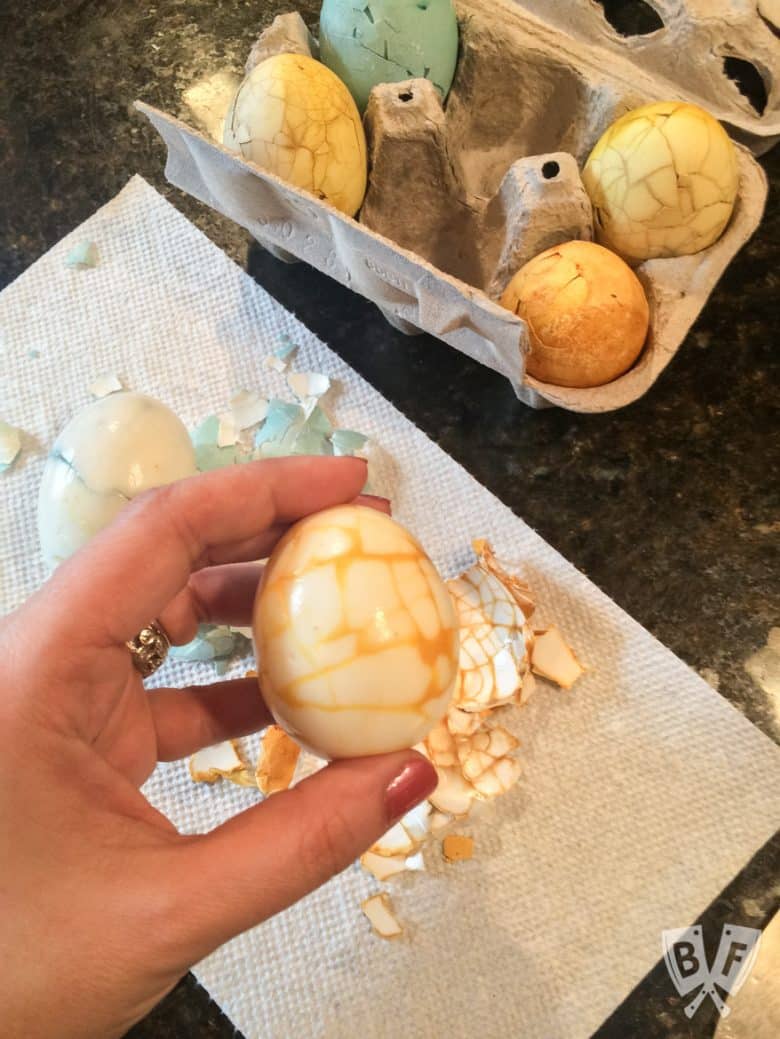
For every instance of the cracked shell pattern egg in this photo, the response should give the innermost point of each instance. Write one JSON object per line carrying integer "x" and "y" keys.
{"x": 356, "y": 635}
{"x": 111, "y": 451}
{"x": 389, "y": 41}
{"x": 294, "y": 117}
{"x": 663, "y": 180}
{"x": 586, "y": 311}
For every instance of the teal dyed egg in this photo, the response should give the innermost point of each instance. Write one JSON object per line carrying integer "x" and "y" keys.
{"x": 387, "y": 41}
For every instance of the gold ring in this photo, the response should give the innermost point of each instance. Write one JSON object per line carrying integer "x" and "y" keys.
{"x": 149, "y": 648}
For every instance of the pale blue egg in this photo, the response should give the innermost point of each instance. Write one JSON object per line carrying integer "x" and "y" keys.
{"x": 387, "y": 41}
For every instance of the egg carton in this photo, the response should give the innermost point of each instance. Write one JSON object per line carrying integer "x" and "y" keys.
{"x": 461, "y": 195}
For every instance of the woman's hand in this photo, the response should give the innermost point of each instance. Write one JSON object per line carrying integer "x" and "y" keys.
{"x": 103, "y": 904}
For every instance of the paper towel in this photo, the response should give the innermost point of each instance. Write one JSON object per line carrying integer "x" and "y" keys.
{"x": 643, "y": 793}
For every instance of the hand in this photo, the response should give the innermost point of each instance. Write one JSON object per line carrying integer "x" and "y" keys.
{"x": 103, "y": 904}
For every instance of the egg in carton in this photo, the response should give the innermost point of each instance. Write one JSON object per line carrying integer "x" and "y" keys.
{"x": 461, "y": 194}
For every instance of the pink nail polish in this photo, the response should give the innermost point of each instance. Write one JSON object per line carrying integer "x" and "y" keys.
{"x": 413, "y": 783}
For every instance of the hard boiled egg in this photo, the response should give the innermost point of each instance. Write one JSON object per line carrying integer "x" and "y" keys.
{"x": 356, "y": 635}
{"x": 388, "y": 41}
{"x": 294, "y": 117}
{"x": 586, "y": 311}
{"x": 109, "y": 452}
{"x": 663, "y": 180}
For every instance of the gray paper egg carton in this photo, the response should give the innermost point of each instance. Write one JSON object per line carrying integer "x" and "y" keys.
{"x": 460, "y": 196}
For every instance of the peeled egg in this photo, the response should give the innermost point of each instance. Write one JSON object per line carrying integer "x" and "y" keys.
{"x": 662, "y": 180}
{"x": 356, "y": 635}
{"x": 586, "y": 311}
{"x": 388, "y": 41}
{"x": 294, "y": 117}
{"x": 109, "y": 452}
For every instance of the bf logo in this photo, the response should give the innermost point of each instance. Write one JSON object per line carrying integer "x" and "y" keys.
{"x": 687, "y": 963}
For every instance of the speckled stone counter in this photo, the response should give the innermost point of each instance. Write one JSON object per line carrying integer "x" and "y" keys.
{"x": 671, "y": 505}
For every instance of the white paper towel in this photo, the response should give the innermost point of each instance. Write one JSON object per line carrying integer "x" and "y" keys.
{"x": 644, "y": 792}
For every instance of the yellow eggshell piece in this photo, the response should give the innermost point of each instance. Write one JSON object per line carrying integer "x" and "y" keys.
{"x": 586, "y": 311}
{"x": 295, "y": 117}
{"x": 663, "y": 180}
{"x": 356, "y": 635}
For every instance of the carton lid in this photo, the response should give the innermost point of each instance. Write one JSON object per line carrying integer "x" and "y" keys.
{"x": 711, "y": 52}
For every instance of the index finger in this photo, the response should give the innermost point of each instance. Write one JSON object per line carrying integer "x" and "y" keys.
{"x": 130, "y": 571}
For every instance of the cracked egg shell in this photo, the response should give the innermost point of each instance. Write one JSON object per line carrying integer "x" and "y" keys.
{"x": 356, "y": 635}
{"x": 586, "y": 311}
{"x": 662, "y": 179}
{"x": 389, "y": 41}
{"x": 294, "y": 117}
{"x": 111, "y": 450}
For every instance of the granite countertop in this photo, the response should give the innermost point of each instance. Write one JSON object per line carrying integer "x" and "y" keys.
{"x": 670, "y": 505}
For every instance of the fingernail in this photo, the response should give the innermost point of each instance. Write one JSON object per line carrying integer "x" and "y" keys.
{"x": 413, "y": 783}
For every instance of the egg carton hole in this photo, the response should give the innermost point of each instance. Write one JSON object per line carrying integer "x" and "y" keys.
{"x": 631, "y": 17}
{"x": 461, "y": 195}
{"x": 748, "y": 81}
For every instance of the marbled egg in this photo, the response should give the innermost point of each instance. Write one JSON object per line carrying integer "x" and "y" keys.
{"x": 586, "y": 312}
{"x": 662, "y": 180}
{"x": 356, "y": 635}
{"x": 388, "y": 41}
{"x": 294, "y": 117}
{"x": 109, "y": 452}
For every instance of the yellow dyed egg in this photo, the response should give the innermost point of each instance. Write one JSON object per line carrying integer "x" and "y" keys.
{"x": 662, "y": 180}
{"x": 356, "y": 635}
{"x": 294, "y": 117}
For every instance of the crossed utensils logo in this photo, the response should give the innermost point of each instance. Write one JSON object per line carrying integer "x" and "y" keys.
{"x": 686, "y": 962}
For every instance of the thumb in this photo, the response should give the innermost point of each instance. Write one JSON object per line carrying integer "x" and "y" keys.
{"x": 266, "y": 858}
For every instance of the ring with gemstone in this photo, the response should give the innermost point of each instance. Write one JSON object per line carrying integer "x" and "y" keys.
{"x": 149, "y": 648}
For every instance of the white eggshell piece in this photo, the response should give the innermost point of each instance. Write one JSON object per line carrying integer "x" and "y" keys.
{"x": 379, "y": 910}
{"x": 552, "y": 658}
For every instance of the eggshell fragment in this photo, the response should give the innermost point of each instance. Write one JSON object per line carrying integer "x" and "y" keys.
{"x": 415, "y": 863}
{"x": 454, "y": 794}
{"x": 219, "y": 761}
{"x": 395, "y": 842}
{"x": 495, "y": 637}
{"x": 10, "y": 445}
{"x": 308, "y": 384}
{"x": 383, "y": 866}
{"x": 278, "y": 758}
{"x": 439, "y": 821}
{"x": 82, "y": 256}
{"x": 406, "y": 835}
{"x": 379, "y": 910}
{"x": 464, "y": 723}
{"x": 552, "y": 658}
{"x": 247, "y": 409}
{"x": 103, "y": 385}
{"x": 457, "y": 847}
{"x": 416, "y": 822}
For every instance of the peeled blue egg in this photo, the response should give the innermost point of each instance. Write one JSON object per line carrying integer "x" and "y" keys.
{"x": 388, "y": 41}
{"x": 112, "y": 450}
